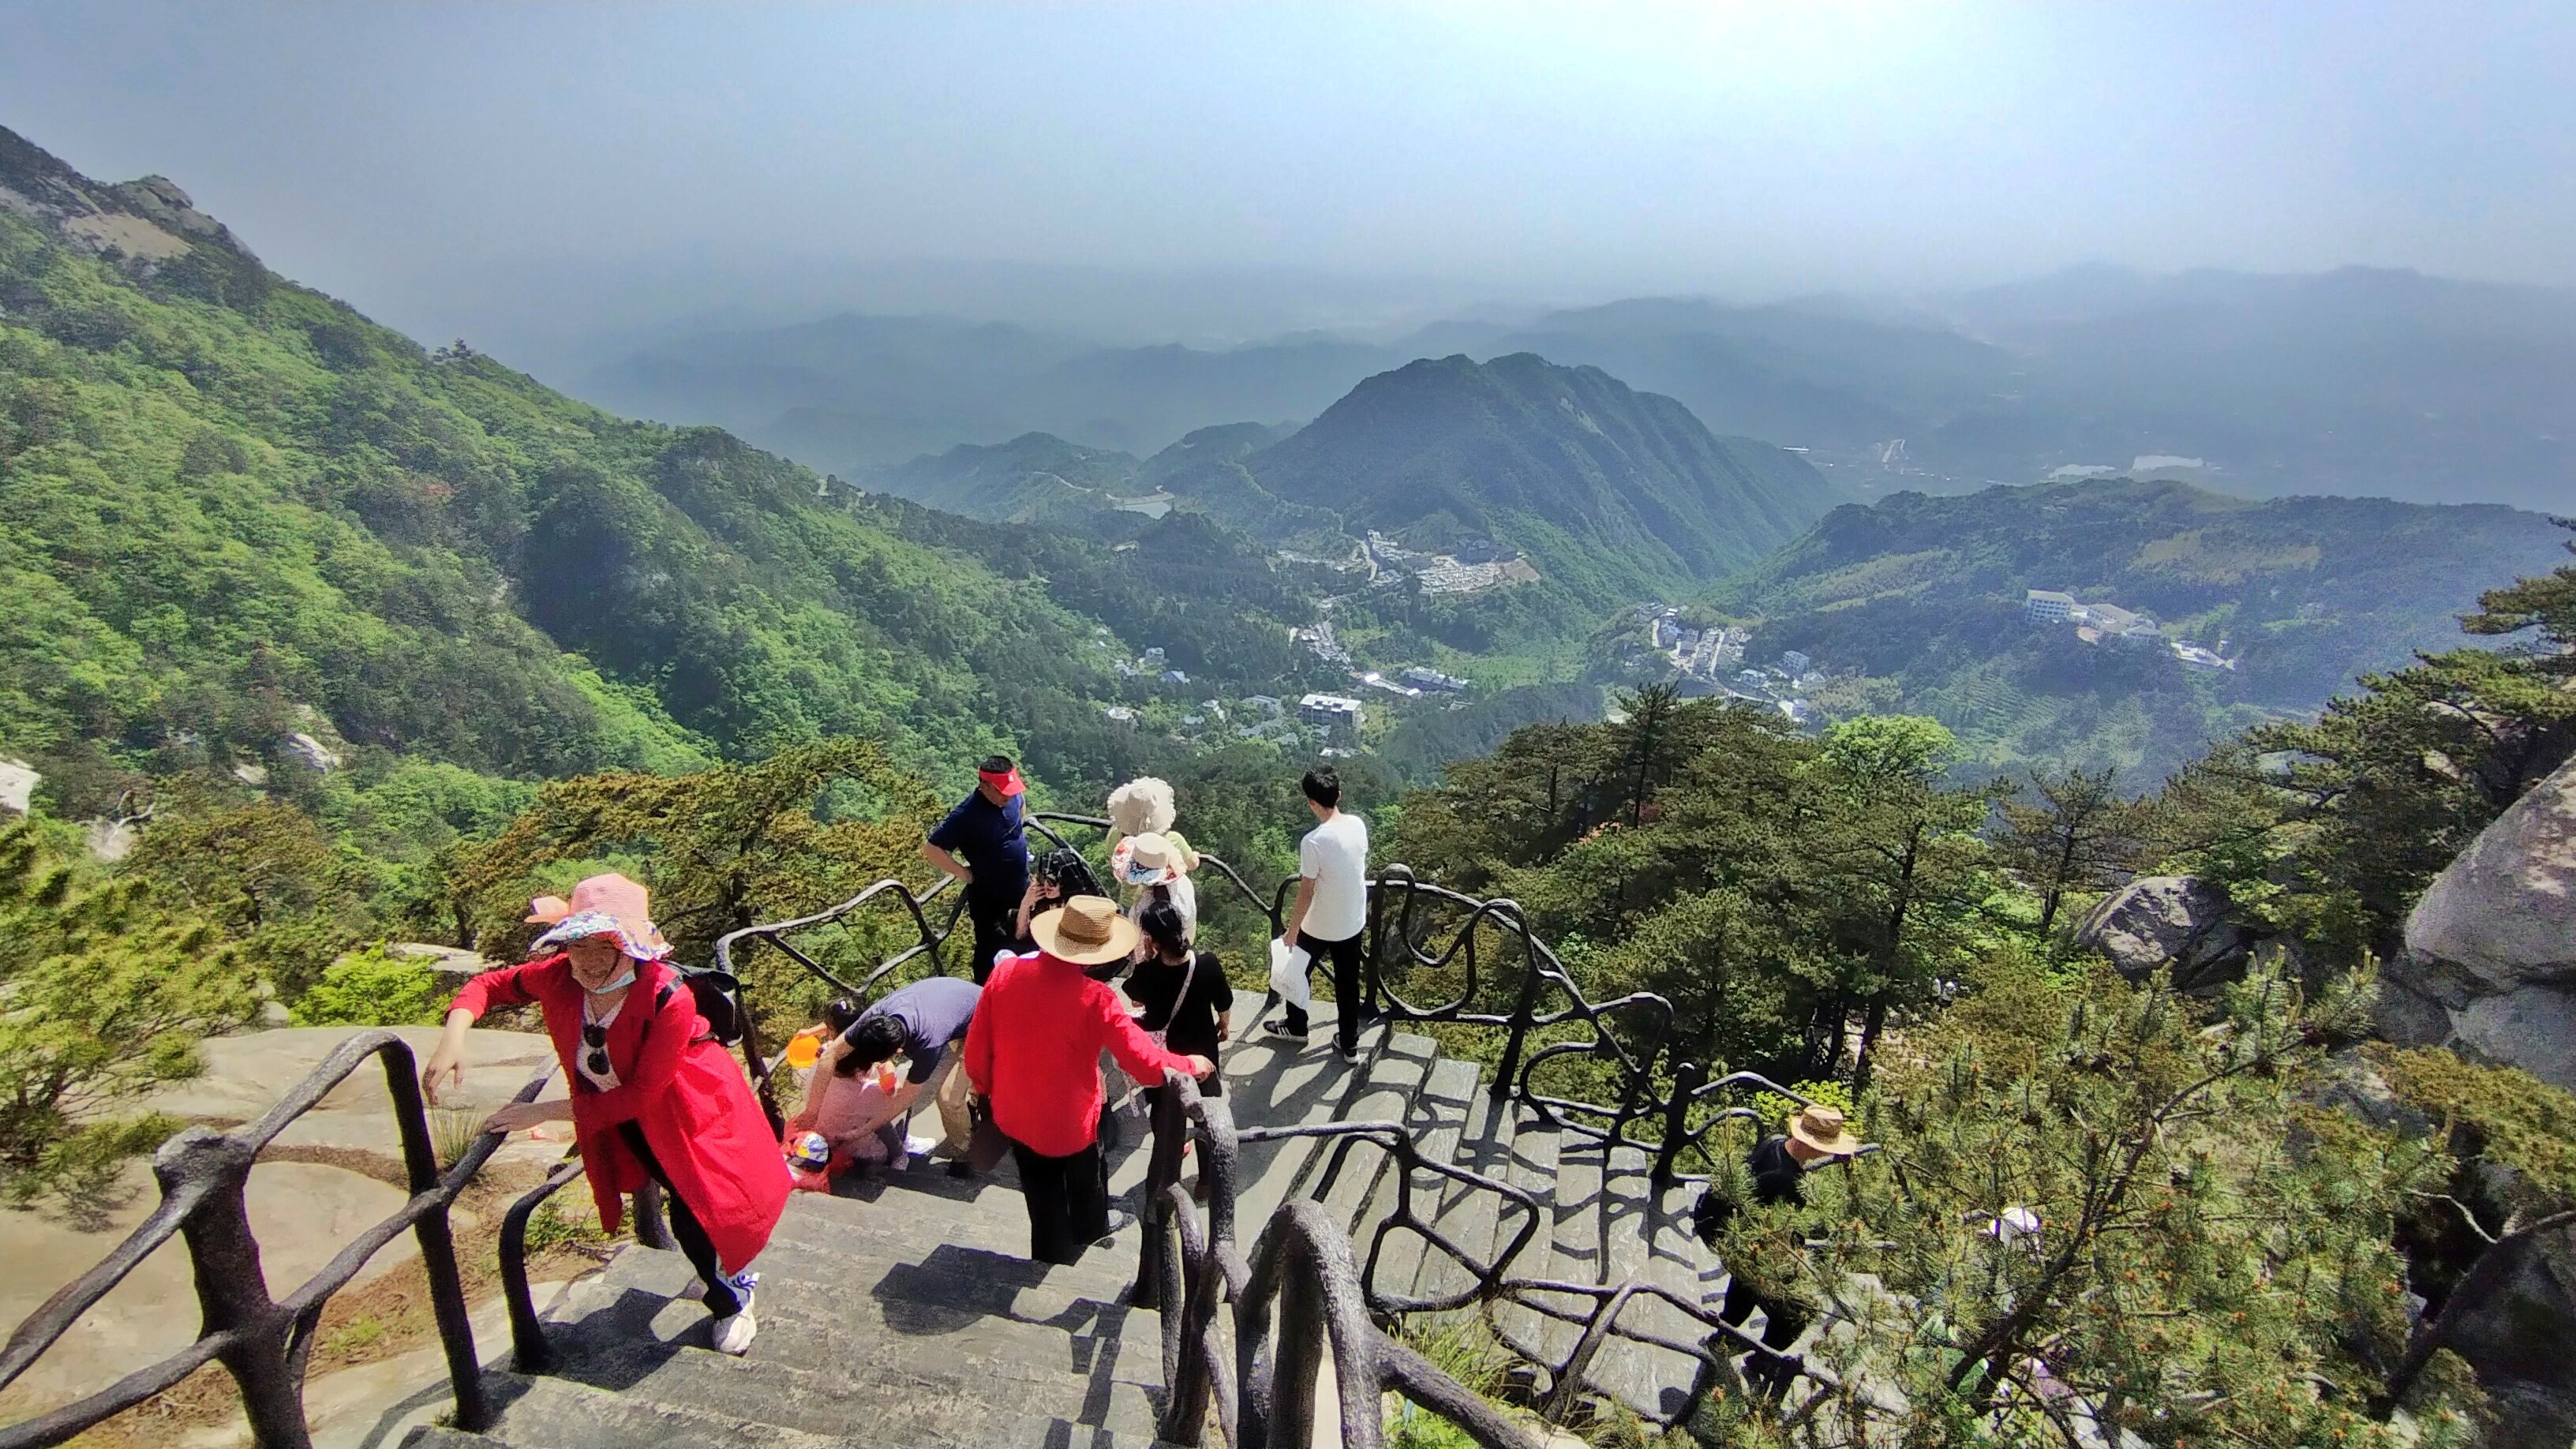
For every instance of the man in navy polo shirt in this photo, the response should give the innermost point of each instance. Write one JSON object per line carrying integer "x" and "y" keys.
{"x": 981, "y": 844}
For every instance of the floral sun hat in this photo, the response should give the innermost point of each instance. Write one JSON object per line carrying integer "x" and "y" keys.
{"x": 610, "y": 905}
{"x": 1151, "y": 860}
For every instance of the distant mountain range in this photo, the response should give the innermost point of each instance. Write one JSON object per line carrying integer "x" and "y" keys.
{"x": 1614, "y": 494}
{"x": 1917, "y": 603}
{"x": 2354, "y": 382}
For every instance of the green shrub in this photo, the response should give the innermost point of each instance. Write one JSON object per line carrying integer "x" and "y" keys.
{"x": 372, "y": 988}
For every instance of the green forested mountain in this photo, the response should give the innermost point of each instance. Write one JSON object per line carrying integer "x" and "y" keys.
{"x": 1223, "y": 443}
{"x": 1917, "y": 602}
{"x": 232, "y": 511}
{"x": 1615, "y": 493}
{"x": 1032, "y": 477}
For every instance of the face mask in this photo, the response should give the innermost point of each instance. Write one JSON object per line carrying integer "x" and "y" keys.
{"x": 621, "y": 983}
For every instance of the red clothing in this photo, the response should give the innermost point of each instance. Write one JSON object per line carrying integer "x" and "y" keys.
{"x": 1033, "y": 1051}
{"x": 692, "y": 1101}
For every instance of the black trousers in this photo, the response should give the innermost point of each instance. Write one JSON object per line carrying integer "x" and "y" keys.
{"x": 995, "y": 930}
{"x": 719, "y": 1297}
{"x": 1781, "y": 1329}
{"x": 1068, "y": 1201}
{"x": 1350, "y": 1010}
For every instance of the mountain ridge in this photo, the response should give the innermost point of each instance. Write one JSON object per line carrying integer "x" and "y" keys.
{"x": 1917, "y": 602}
{"x": 1619, "y": 493}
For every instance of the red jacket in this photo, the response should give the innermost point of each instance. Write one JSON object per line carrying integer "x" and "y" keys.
{"x": 692, "y": 1101}
{"x": 1033, "y": 1051}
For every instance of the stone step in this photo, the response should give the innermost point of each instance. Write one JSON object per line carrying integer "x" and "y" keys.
{"x": 1473, "y": 1217}
{"x": 433, "y": 1436}
{"x": 1644, "y": 1244}
{"x": 859, "y": 1388}
{"x": 892, "y": 1232}
{"x": 1579, "y": 1253}
{"x": 953, "y": 1316}
{"x": 1438, "y": 1118}
{"x": 559, "y": 1413}
{"x": 1532, "y": 1166}
{"x": 1285, "y": 1084}
{"x": 1347, "y": 1172}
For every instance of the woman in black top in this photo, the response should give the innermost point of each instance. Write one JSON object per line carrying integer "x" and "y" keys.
{"x": 1059, "y": 876}
{"x": 1181, "y": 993}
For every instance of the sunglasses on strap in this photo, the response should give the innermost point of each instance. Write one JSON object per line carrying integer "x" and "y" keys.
{"x": 595, "y": 1037}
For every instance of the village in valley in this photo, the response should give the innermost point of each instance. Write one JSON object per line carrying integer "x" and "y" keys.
{"x": 1713, "y": 656}
{"x": 2106, "y": 624}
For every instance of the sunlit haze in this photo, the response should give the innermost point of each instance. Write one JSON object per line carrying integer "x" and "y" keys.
{"x": 522, "y": 173}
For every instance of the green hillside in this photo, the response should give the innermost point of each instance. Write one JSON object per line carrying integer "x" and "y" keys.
{"x": 1613, "y": 494}
{"x": 1032, "y": 478}
{"x": 1917, "y": 602}
{"x": 232, "y": 511}
{"x": 1617, "y": 494}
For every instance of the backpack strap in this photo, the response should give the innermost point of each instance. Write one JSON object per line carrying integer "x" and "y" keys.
{"x": 662, "y": 998}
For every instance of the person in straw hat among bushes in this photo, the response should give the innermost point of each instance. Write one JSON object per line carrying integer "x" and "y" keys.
{"x": 1033, "y": 1056}
{"x": 1765, "y": 1249}
{"x": 654, "y": 1096}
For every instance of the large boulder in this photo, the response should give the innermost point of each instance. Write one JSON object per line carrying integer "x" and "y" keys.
{"x": 2173, "y": 922}
{"x": 2518, "y": 1340}
{"x": 2489, "y": 968}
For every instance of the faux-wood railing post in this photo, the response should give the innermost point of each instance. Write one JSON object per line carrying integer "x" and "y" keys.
{"x": 438, "y": 1248}
{"x": 1524, "y": 1010}
{"x": 1686, "y": 1080}
{"x": 232, "y": 1291}
{"x": 1297, "y": 1360}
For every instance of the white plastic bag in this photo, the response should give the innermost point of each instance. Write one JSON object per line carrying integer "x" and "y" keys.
{"x": 1288, "y": 974}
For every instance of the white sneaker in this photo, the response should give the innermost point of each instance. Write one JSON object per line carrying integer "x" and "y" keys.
{"x": 734, "y": 1331}
{"x": 920, "y": 1146}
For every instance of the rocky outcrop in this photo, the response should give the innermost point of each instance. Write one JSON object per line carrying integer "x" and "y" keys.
{"x": 145, "y": 222}
{"x": 2517, "y": 1340}
{"x": 18, "y": 782}
{"x": 2175, "y": 922}
{"x": 2489, "y": 967}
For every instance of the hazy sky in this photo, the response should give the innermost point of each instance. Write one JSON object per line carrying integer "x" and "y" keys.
{"x": 452, "y": 168}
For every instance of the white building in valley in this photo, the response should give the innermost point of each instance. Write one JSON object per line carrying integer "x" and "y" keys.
{"x": 1337, "y": 715}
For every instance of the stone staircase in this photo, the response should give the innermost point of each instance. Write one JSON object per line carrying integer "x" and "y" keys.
{"x": 904, "y": 1312}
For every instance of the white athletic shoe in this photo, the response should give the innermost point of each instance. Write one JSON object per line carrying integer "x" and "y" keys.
{"x": 733, "y": 1332}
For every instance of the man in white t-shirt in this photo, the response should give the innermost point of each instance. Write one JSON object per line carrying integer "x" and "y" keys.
{"x": 1331, "y": 912}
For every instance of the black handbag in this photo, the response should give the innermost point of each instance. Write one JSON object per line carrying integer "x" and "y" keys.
{"x": 986, "y": 1146}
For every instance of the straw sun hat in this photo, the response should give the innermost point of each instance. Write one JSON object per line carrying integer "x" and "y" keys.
{"x": 1088, "y": 931}
{"x": 1822, "y": 1129}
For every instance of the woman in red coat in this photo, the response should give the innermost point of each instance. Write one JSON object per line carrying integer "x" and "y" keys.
{"x": 1033, "y": 1054}
{"x": 653, "y": 1096}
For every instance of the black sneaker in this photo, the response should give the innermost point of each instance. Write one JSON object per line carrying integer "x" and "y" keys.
{"x": 960, "y": 1167}
{"x": 1283, "y": 1030}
